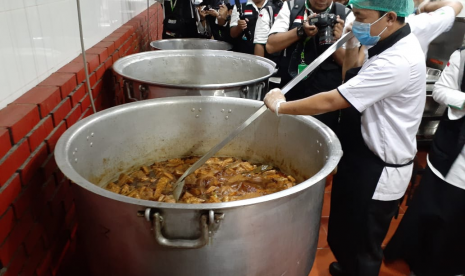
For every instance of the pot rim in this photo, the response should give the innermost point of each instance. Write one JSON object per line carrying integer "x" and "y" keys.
{"x": 121, "y": 63}
{"x": 64, "y": 144}
{"x": 209, "y": 41}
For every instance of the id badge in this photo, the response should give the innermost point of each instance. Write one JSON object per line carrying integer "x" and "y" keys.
{"x": 301, "y": 67}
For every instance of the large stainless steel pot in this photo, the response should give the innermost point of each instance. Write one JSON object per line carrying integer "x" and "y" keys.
{"x": 271, "y": 235}
{"x": 158, "y": 74}
{"x": 190, "y": 44}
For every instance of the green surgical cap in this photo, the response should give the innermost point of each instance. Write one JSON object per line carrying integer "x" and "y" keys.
{"x": 403, "y": 8}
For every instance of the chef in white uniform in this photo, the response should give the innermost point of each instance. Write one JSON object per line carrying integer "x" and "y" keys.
{"x": 431, "y": 236}
{"x": 433, "y": 19}
{"x": 381, "y": 109}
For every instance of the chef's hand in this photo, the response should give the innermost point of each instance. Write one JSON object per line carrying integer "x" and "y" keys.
{"x": 273, "y": 99}
{"x": 353, "y": 42}
{"x": 338, "y": 28}
{"x": 242, "y": 24}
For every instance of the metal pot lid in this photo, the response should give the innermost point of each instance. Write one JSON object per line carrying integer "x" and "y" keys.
{"x": 190, "y": 44}
{"x": 195, "y": 69}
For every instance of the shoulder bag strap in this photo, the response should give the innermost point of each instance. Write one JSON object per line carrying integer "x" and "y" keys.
{"x": 270, "y": 11}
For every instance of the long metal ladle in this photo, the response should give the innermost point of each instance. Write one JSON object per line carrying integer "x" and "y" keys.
{"x": 178, "y": 188}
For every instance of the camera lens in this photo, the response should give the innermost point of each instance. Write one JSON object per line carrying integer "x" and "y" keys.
{"x": 326, "y": 36}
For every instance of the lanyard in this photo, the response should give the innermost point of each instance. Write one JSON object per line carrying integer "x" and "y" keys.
{"x": 302, "y": 55}
{"x": 173, "y": 6}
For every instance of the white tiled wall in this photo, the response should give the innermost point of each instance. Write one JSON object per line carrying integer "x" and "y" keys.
{"x": 37, "y": 37}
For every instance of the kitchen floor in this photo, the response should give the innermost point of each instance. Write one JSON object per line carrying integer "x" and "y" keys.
{"x": 324, "y": 256}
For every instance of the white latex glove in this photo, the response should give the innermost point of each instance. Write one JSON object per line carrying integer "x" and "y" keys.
{"x": 274, "y": 99}
{"x": 353, "y": 42}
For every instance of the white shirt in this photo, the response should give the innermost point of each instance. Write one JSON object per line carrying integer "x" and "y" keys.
{"x": 428, "y": 26}
{"x": 262, "y": 29}
{"x": 281, "y": 23}
{"x": 390, "y": 91}
{"x": 235, "y": 14}
{"x": 447, "y": 92}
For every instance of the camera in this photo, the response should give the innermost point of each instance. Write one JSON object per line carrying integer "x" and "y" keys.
{"x": 325, "y": 23}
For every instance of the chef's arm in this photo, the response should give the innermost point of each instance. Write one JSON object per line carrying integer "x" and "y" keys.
{"x": 446, "y": 90}
{"x": 313, "y": 105}
{"x": 432, "y": 6}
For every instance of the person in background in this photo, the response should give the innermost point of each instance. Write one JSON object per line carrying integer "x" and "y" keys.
{"x": 211, "y": 8}
{"x": 302, "y": 44}
{"x": 203, "y": 25}
{"x": 223, "y": 21}
{"x": 381, "y": 110}
{"x": 433, "y": 19}
{"x": 343, "y": 2}
{"x": 179, "y": 19}
{"x": 431, "y": 236}
{"x": 262, "y": 30}
{"x": 243, "y": 30}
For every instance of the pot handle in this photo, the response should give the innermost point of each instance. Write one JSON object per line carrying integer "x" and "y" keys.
{"x": 208, "y": 224}
{"x": 261, "y": 90}
{"x": 127, "y": 85}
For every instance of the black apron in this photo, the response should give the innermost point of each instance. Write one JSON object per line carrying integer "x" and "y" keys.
{"x": 357, "y": 223}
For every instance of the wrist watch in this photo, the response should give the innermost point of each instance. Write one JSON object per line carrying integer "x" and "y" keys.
{"x": 301, "y": 32}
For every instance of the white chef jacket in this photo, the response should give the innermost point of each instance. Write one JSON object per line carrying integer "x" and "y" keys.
{"x": 235, "y": 14}
{"x": 282, "y": 21}
{"x": 447, "y": 92}
{"x": 428, "y": 26}
{"x": 390, "y": 91}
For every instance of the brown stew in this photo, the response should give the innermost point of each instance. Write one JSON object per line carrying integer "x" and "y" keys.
{"x": 218, "y": 180}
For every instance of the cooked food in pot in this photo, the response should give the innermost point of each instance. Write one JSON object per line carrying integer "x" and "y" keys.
{"x": 218, "y": 180}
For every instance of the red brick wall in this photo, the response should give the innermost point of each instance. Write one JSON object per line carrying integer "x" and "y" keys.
{"x": 37, "y": 212}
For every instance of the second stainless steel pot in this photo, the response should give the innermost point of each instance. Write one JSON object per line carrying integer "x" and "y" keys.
{"x": 159, "y": 74}
{"x": 190, "y": 44}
